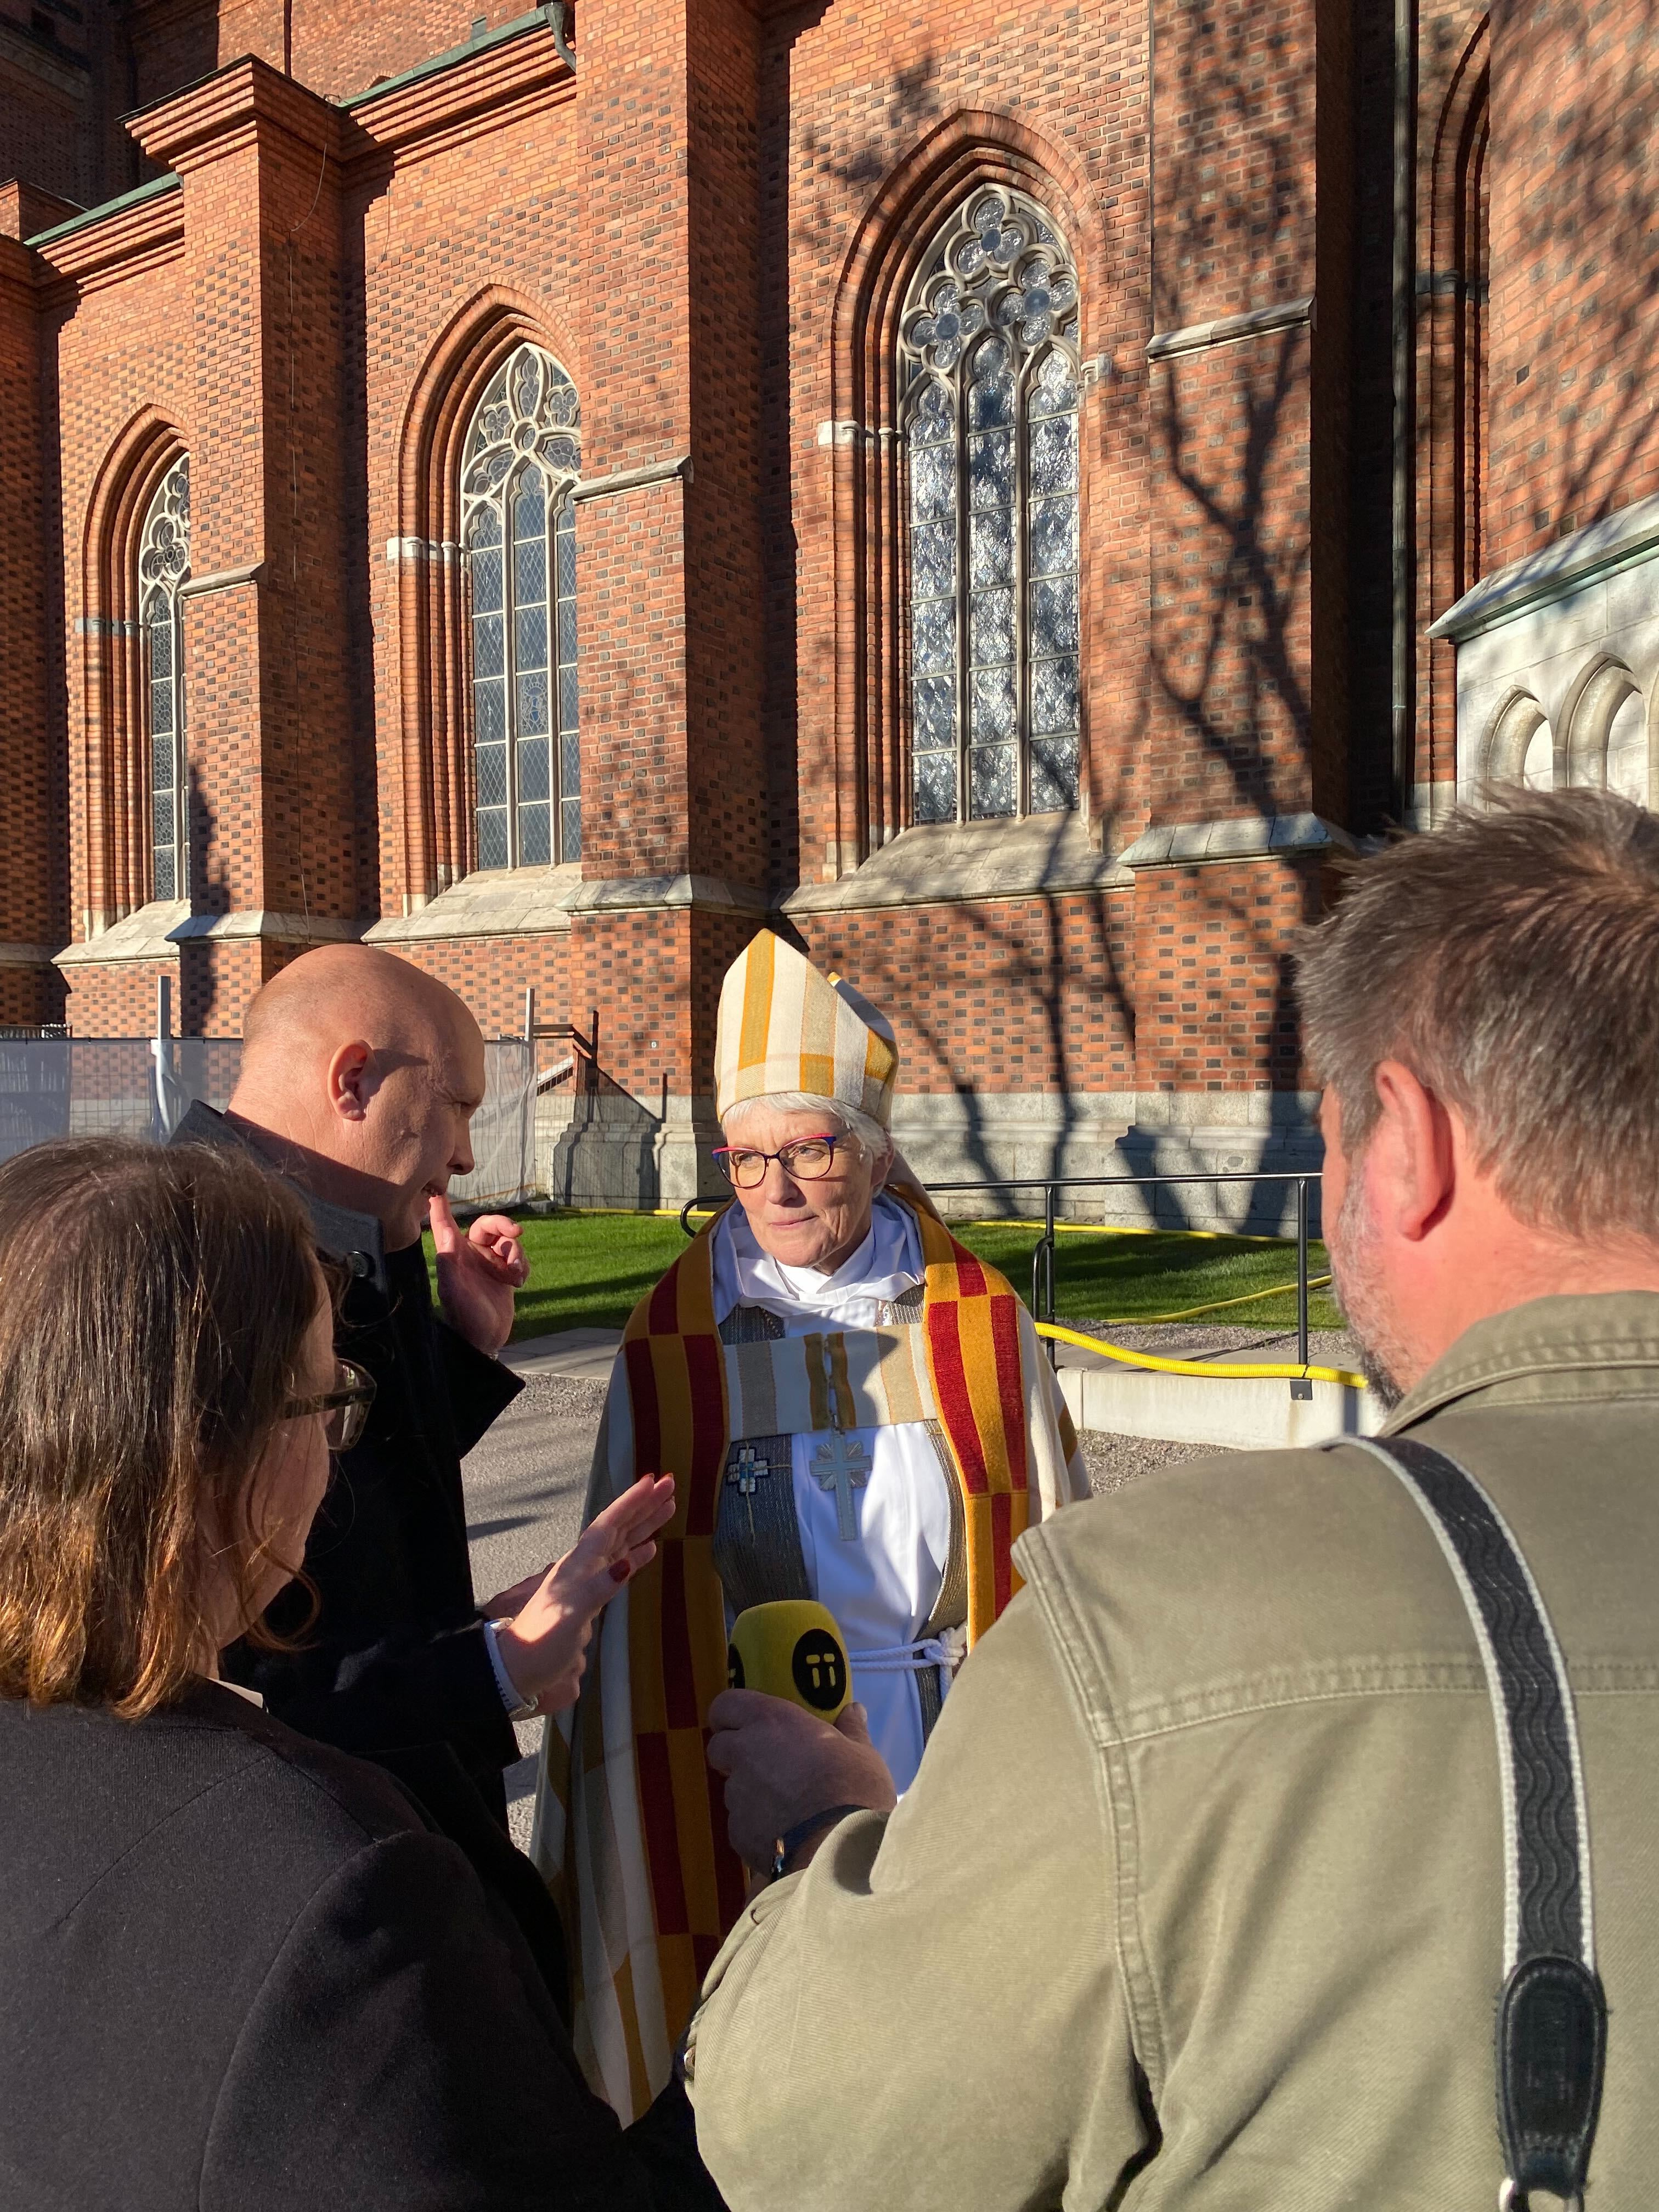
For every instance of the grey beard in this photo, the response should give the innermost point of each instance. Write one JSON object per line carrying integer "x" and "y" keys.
{"x": 1349, "y": 1244}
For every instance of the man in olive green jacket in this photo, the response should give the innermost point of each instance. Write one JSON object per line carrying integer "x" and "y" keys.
{"x": 1198, "y": 1899}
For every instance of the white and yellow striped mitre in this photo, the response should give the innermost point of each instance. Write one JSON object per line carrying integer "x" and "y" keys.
{"x": 784, "y": 1027}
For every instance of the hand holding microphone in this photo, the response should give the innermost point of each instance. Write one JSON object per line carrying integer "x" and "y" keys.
{"x": 788, "y": 1741}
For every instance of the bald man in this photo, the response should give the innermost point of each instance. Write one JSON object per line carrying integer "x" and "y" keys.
{"x": 359, "y": 1076}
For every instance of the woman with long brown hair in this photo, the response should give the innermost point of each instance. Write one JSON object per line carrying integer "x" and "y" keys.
{"x": 237, "y": 1969}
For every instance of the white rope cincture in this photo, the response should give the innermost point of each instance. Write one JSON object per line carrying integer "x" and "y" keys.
{"x": 944, "y": 1652}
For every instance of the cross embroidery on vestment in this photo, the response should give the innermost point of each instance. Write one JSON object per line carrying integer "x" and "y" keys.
{"x": 746, "y": 1471}
{"x": 842, "y": 1465}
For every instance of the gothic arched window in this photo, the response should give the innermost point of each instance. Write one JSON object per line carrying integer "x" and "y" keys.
{"x": 163, "y": 566}
{"x": 990, "y": 375}
{"x": 520, "y": 464}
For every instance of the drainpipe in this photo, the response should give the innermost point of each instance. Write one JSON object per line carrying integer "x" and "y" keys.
{"x": 1403, "y": 568}
{"x": 554, "y": 15}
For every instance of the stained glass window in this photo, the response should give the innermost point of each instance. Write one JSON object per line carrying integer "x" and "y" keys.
{"x": 521, "y": 463}
{"x": 989, "y": 364}
{"x": 163, "y": 566}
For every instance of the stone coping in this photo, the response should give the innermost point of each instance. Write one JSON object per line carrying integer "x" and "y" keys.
{"x": 146, "y": 933}
{"x": 1247, "y": 838}
{"x": 945, "y": 863}
{"x": 539, "y": 901}
{"x": 1601, "y": 549}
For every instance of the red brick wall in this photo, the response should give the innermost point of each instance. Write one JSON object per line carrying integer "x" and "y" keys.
{"x": 1215, "y": 1008}
{"x": 1033, "y": 995}
{"x": 1574, "y": 433}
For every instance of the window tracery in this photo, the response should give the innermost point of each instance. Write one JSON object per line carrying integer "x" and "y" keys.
{"x": 520, "y": 464}
{"x": 163, "y": 566}
{"x": 991, "y": 377}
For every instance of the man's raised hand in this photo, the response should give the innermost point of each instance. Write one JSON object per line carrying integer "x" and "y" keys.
{"x": 546, "y": 1621}
{"x": 477, "y": 1273}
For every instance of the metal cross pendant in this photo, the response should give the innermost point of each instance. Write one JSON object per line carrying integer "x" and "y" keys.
{"x": 746, "y": 1471}
{"x": 842, "y": 1465}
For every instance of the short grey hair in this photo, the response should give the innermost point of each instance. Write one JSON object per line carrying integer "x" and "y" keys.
{"x": 875, "y": 1139}
{"x": 1510, "y": 960}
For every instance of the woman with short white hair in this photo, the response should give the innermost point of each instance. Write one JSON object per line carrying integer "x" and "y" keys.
{"x": 858, "y": 1411}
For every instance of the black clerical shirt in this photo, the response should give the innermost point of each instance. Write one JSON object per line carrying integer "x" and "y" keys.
{"x": 395, "y": 1667}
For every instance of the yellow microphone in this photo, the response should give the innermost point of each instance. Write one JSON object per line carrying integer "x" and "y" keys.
{"x": 793, "y": 1650}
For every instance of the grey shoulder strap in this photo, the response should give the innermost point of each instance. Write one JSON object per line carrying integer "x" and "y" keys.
{"x": 1551, "y": 2013}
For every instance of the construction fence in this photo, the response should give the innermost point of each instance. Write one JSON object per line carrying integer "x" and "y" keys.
{"x": 57, "y": 1086}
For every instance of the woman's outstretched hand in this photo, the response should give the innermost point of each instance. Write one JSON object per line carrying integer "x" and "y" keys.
{"x": 544, "y": 1622}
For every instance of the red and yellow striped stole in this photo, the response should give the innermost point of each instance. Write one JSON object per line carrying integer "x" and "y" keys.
{"x": 676, "y": 1372}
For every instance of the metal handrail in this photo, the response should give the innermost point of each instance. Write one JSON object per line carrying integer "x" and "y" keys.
{"x": 1043, "y": 1259}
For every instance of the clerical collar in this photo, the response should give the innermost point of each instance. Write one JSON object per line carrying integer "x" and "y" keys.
{"x": 355, "y": 1239}
{"x": 885, "y": 1265}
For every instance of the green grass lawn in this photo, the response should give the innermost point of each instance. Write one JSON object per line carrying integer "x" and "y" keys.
{"x": 587, "y": 1270}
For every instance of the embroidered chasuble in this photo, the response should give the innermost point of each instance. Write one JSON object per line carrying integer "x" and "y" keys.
{"x": 629, "y": 1830}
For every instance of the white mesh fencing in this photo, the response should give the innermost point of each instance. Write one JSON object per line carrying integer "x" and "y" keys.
{"x": 144, "y": 1086}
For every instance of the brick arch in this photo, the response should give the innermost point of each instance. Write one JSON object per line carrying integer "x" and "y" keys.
{"x": 969, "y": 149}
{"x": 113, "y": 773}
{"x": 435, "y": 768}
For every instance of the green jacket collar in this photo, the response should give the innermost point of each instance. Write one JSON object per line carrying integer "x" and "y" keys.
{"x": 1548, "y": 1351}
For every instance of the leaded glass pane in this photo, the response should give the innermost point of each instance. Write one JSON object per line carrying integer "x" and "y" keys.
{"x": 933, "y": 560}
{"x": 933, "y": 636}
{"x": 532, "y": 704}
{"x": 530, "y": 637}
{"x": 994, "y": 781}
{"x": 489, "y": 649}
{"x": 163, "y": 565}
{"x": 936, "y": 786}
{"x": 988, "y": 356}
{"x": 492, "y": 774}
{"x": 991, "y": 468}
{"x": 1054, "y": 455}
{"x": 1054, "y": 695}
{"x": 991, "y": 627}
{"x": 521, "y": 462}
{"x": 935, "y": 708}
{"x": 533, "y": 769}
{"x": 492, "y": 838}
{"x": 995, "y": 706}
{"x": 1054, "y": 775}
{"x": 1053, "y": 536}
{"x": 991, "y": 546}
{"x": 529, "y": 571}
{"x": 535, "y": 832}
{"x": 933, "y": 484}
{"x": 489, "y": 712}
{"x": 486, "y": 582}
{"x": 1054, "y": 615}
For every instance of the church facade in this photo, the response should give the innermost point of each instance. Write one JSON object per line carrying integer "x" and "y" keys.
{"x": 1007, "y": 501}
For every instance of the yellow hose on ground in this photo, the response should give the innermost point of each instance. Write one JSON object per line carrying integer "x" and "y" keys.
{"x": 1216, "y": 1305}
{"x": 1277, "y": 1372}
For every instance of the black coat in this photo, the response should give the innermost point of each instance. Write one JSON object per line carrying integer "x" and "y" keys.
{"x": 396, "y": 1662}
{"x": 238, "y": 1971}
